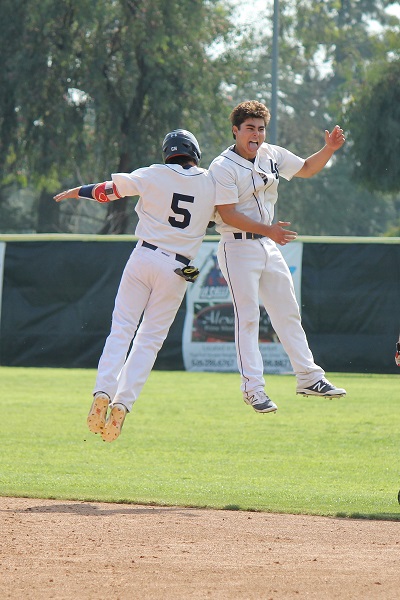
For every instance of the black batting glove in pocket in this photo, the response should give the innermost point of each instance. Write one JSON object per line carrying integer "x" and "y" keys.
{"x": 189, "y": 273}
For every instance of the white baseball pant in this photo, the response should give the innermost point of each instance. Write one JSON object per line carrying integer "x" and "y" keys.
{"x": 148, "y": 284}
{"x": 256, "y": 269}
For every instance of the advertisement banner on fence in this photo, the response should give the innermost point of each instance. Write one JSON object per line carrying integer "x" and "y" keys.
{"x": 209, "y": 331}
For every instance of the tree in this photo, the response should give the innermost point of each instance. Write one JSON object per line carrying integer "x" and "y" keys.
{"x": 325, "y": 49}
{"x": 332, "y": 203}
{"x": 97, "y": 84}
{"x": 39, "y": 124}
{"x": 89, "y": 87}
{"x": 374, "y": 123}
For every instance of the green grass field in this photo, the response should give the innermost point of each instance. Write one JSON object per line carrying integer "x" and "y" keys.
{"x": 190, "y": 440}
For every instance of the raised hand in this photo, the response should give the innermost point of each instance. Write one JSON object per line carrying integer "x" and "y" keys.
{"x": 335, "y": 139}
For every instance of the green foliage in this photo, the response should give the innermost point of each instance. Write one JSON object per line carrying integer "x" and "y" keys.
{"x": 190, "y": 440}
{"x": 374, "y": 122}
{"x": 333, "y": 203}
{"x": 93, "y": 87}
{"x": 90, "y": 87}
{"x": 393, "y": 231}
{"x": 324, "y": 51}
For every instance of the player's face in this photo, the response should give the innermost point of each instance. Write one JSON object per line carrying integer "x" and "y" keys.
{"x": 249, "y": 137}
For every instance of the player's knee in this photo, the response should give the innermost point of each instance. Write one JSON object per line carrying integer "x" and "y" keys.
{"x": 251, "y": 325}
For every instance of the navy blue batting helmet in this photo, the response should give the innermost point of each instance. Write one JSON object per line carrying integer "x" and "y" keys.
{"x": 181, "y": 143}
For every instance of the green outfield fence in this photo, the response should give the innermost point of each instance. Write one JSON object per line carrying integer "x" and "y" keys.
{"x": 58, "y": 294}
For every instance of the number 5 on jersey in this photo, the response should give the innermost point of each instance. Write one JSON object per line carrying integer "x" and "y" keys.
{"x": 180, "y": 210}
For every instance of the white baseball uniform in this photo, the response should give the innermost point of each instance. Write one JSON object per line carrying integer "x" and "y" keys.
{"x": 176, "y": 203}
{"x": 254, "y": 267}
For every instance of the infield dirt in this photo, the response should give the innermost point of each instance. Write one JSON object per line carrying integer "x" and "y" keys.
{"x": 65, "y": 550}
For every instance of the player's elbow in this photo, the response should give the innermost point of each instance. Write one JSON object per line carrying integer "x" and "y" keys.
{"x": 227, "y": 213}
{"x": 305, "y": 171}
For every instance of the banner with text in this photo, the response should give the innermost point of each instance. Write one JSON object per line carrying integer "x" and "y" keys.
{"x": 209, "y": 330}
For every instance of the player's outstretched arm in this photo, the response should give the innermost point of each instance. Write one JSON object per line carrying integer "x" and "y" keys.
{"x": 316, "y": 162}
{"x": 101, "y": 192}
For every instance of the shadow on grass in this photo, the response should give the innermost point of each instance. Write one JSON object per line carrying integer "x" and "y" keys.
{"x": 370, "y": 516}
{"x": 237, "y": 507}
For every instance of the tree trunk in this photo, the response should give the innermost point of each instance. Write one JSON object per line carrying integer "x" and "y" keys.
{"x": 48, "y": 214}
{"x": 117, "y": 220}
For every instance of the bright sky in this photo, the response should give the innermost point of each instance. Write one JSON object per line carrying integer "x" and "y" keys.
{"x": 249, "y": 10}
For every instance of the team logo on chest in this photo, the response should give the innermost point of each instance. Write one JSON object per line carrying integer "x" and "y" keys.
{"x": 274, "y": 172}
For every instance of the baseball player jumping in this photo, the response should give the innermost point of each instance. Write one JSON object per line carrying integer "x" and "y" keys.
{"x": 247, "y": 177}
{"x": 175, "y": 206}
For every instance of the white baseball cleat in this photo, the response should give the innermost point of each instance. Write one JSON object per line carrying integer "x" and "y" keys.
{"x": 96, "y": 419}
{"x": 113, "y": 426}
{"x": 260, "y": 402}
{"x": 322, "y": 388}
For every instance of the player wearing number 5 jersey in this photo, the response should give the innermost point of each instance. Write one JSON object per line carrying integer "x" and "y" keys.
{"x": 175, "y": 205}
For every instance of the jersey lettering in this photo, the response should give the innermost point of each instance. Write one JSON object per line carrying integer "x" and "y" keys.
{"x": 179, "y": 210}
{"x": 274, "y": 168}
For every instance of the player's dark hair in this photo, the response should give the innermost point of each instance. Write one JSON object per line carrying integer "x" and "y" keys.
{"x": 180, "y": 160}
{"x": 251, "y": 109}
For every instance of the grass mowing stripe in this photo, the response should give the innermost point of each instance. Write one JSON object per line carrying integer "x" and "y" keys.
{"x": 190, "y": 440}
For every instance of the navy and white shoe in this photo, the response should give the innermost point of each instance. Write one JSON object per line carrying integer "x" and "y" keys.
{"x": 260, "y": 402}
{"x": 322, "y": 388}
